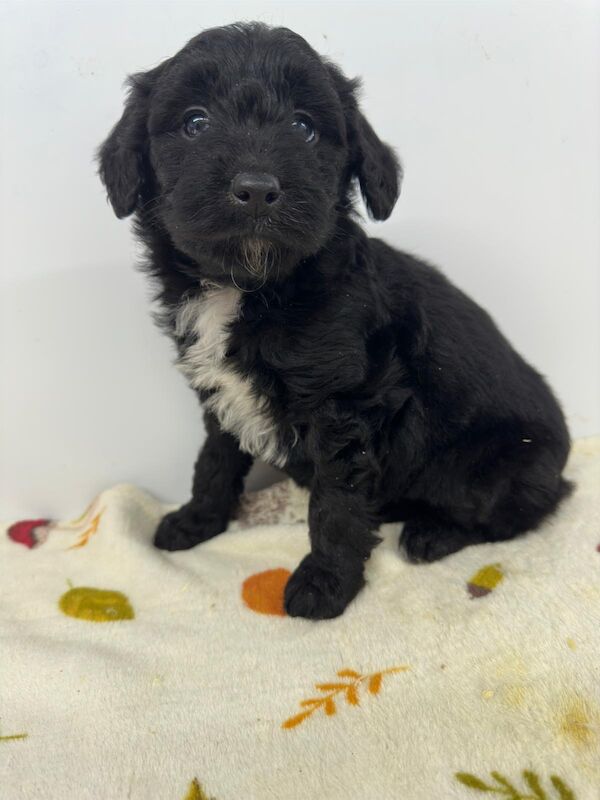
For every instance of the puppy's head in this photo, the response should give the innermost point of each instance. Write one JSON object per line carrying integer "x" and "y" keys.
{"x": 243, "y": 148}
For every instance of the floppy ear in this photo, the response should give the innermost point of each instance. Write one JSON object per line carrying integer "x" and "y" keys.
{"x": 121, "y": 158}
{"x": 377, "y": 168}
{"x": 371, "y": 161}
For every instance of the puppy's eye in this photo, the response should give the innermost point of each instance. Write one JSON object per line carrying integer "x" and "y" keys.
{"x": 196, "y": 122}
{"x": 303, "y": 125}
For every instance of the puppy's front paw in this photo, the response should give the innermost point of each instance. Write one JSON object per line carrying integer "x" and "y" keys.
{"x": 315, "y": 591}
{"x": 184, "y": 528}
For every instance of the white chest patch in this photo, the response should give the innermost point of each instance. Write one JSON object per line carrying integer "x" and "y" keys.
{"x": 239, "y": 408}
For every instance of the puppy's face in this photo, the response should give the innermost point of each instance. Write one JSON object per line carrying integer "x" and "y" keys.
{"x": 242, "y": 147}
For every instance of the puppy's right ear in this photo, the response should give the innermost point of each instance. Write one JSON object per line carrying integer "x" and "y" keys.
{"x": 122, "y": 157}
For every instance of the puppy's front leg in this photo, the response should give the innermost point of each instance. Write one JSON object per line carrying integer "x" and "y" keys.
{"x": 341, "y": 536}
{"x": 218, "y": 482}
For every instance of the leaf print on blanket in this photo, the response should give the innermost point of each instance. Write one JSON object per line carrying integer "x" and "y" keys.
{"x": 89, "y": 531}
{"x": 33, "y": 532}
{"x": 95, "y": 605}
{"x": 196, "y": 792}
{"x": 504, "y": 788}
{"x": 485, "y": 580}
{"x": 89, "y": 521}
{"x": 333, "y": 691}
{"x": 13, "y": 737}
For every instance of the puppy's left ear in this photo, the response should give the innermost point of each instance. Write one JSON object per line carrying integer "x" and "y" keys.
{"x": 122, "y": 156}
{"x": 372, "y": 162}
{"x": 377, "y": 168}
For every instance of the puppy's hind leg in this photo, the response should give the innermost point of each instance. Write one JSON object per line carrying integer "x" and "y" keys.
{"x": 427, "y": 537}
{"x": 501, "y": 506}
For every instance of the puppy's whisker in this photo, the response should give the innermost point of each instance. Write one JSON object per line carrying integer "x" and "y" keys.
{"x": 198, "y": 214}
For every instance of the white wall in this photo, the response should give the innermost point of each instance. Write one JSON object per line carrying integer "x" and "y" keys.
{"x": 493, "y": 106}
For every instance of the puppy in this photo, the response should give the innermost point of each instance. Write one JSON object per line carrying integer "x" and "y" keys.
{"x": 356, "y": 368}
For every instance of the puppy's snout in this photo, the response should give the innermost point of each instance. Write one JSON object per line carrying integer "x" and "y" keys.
{"x": 256, "y": 192}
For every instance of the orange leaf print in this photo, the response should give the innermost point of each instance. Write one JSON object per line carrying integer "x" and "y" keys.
{"x": 349, "y": 688}
{"x": 352, "y": 695}
{"x": 75, "y": 523}
{"x": 348, "y": 673}
{"x": 330, "y": 687}
{"x": 88, "y": 532}
{"x": 293, "y": 721}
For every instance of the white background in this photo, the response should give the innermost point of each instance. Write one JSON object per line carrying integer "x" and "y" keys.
{"x": 493, "y": 107}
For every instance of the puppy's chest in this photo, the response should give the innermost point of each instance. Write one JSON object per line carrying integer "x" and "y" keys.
{"x": 204, "y": 330}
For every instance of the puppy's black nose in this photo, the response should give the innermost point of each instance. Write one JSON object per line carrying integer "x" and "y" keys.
{"x": 256, "y": 192}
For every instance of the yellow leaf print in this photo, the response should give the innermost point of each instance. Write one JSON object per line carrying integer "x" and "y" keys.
{"x": 348, "y": 689}
{"x": 95, "y": 605}
{"x": 196, "y": 792}
{"x": 485, "y": 580}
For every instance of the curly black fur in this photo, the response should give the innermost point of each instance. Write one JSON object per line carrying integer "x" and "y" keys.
{"x": 383, "y": 387}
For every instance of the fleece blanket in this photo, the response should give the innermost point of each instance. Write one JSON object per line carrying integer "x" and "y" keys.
{"x": 126, "y": 672}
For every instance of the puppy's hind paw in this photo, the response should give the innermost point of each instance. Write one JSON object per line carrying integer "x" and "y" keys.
{"x": 427, "y": 540}
{"x": 319, "y": 592}
{"x": 184, "y": 528}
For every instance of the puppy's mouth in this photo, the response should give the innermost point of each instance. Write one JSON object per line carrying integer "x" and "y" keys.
{"x": 261, "y": 229}
{"x": 257, "y": 230}
{"x": 248, "y": 253}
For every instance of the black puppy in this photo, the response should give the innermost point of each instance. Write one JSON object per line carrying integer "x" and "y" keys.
{"x": 359, "y": 370}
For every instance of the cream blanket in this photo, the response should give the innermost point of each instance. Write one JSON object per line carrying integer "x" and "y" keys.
{"x": 126, "y": 672}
